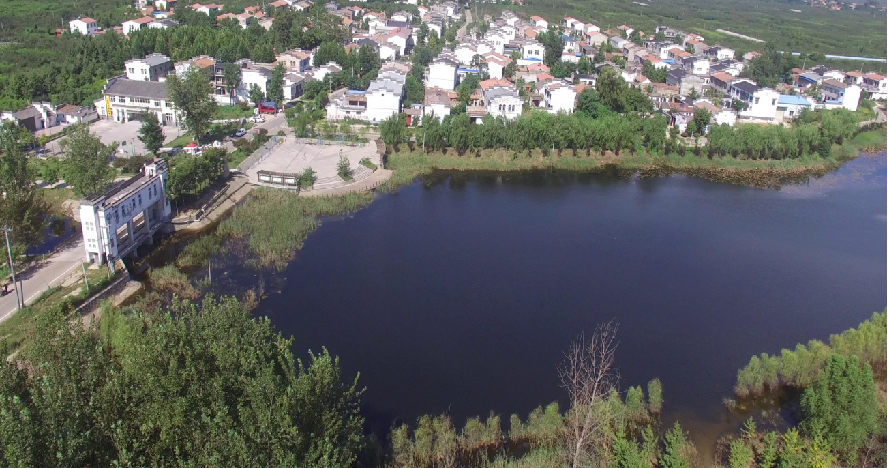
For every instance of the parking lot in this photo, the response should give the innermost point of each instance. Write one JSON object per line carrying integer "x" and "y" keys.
{"x": 126, "y": 135}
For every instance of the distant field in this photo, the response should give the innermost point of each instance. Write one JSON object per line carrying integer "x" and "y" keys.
{"x": 853, "y": 33}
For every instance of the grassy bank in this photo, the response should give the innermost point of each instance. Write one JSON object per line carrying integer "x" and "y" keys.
{"x": 754, "y": 172}
{"x": 17, "y": 330}
{"x": 274, "y": 223}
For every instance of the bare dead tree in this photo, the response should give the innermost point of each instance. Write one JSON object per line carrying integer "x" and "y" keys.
{"x": 589, "y": 374}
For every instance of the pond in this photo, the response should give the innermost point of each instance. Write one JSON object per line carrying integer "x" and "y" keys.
{"x": 460, "y": 293}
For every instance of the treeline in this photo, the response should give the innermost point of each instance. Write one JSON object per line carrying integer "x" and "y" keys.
{"x": 630, "y": 439}
{"x": 841, "y": 422}
{"x": 182, "y": 385}
{"x": 813, "y": 133}
{"x": 73, "y": 69}
{"x": 800, "y": 367}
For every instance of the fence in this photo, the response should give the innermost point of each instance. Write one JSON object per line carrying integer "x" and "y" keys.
{"x": 259, "y": 155}
{"x": 329, "y": 142}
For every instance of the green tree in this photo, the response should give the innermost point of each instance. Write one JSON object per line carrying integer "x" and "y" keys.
{"x": 87, "y": 161}
{"x": 276, "y": 85}
{"x": 307, "y": 178}
{"x": 678, "y": 451}
{"x": 741, "y": 456}
{"x": 232, "y": 76}
{"x": 256, "y": 94}
{"x": 125, "y": 392}
{"x": 191, "y": 93}
{"x": 151, "y": 133}
{"x": 393, "y": 130}
{"x": 841, "y": 406}
{"x": 611, "y": 89}
{"x": 414, "y": 91}
{"x": 21, "y": 207}
{"x": 655, "y": 396}
{"x": 343, "y": 168}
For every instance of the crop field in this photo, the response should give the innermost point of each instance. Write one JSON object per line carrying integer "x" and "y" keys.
{"x": 851, "y": 33}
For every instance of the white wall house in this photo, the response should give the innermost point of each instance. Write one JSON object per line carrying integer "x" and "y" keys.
{"x": 388, "y": 51}
{"x": 763, "y": 106}
{"x": 442, "y": 74}
{"x": 533, "y": 51}
{"x": 501, "y": 99}
{"x": 559, "y": 96}
{"x": 136, "y": 24}
{"x": 85, "y": 26}
{"x": 836, "y": 93}
{"x": 437, "y": 102}
{"x": 464, "y": 53}
{"x": 699, "y": 67}
{"x": 250, "y": 76}
{"x": 115, "y": 223}
{"x": 154, "y": 67}
{"x": 125, "y": 100}
{"x": 539, "y": 22}
{"x": 384, "y": 98}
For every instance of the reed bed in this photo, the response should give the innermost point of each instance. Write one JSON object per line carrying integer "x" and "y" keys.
{"x": 275, "y": 223}
{"x": 197, "y": 253}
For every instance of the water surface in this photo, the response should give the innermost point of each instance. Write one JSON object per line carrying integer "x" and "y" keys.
{"x": 460, "y": 293}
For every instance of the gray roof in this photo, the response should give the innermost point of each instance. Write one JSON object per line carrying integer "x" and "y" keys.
{"x": 385, "y": 85}
{"x": 746, "y": 87}
{"x": 135, "y": 88}
{"x": 27, "y": 113}
{"x": 494, "y": 93}
{"x": 156, "y": 59}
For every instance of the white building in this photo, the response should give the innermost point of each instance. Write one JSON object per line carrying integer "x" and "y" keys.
{"x": 154, "y": 67}
{"x": 162, "y": 24}
{"x": 116, "y": 223}
{"x": 699, "y": 66}
{"x": 437, "y": 102}
{"x": 836, "y": 93}
{"x": 501, "y": 99}
{"x": 136, "y": 24}
{"x": 559, "y": 96}
{"x": 384, "y": 96}
{"x": 539, "y": 22}
{"x": 792, "y": 106}
{"x": 464, "y": 53}
{"x": 763, "y": 106}
{"x": 85, "y": 26}
{"x": 252, "y": 75}
{"x": 322, "y": 71}
{"x": 347, "y": 104}
{"x": 125, "y": 100}
{"x": 533, "y": 51}
{"x": 496, "y": 64}
{"x": 442, "y": 74}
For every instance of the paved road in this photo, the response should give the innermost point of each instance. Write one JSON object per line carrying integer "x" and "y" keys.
{"x": 50, "y": 273}
{"x": 462, "y": 31}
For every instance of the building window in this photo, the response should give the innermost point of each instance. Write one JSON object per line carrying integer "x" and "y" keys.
{"x": 756, "y": 100}
{"x": 156, "y": 103}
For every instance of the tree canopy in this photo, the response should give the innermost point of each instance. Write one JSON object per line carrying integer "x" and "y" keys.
{"x": 87, "y": 161}
{"x": 192, "y": 94}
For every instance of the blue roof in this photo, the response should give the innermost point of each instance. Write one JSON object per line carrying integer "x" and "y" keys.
{"x": 533, "y": 59}
{"x": 469, "y": 70}
{"x": 567, "y": 38}
{"x": 669, "y": 61}
{"x": 268, "y": 103}
{"x": 831, "y": 101}
{"x": 787, "y": 99}
{"x": 356, "y": 91}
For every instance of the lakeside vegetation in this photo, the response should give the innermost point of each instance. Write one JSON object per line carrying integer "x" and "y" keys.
{"x": 274, "y": 223}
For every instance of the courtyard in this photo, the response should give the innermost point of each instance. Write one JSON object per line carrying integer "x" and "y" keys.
{"x": 292, "y": 157}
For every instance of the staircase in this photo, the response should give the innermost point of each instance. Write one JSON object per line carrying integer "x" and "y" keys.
{"x": 359, "y": 173}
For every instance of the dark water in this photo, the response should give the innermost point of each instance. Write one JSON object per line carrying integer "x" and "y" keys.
{"x": 460, "y": 294}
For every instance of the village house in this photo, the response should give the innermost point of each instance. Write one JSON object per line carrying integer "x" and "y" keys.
{"x": 85, "y": 26}
{"x": 835, "y": 93}
{"x": 126, "y": 100}
{"x": 294, "y": 59}
{"x": 559, "y": 96}
{"x": 154, "y": 67}
{"x": 385, "y": 96}
{"x": 438, "y": 102}
{"x": 501, "y": 99}
{"x": 136, "y": 24}
{"x": 442, "y": 74}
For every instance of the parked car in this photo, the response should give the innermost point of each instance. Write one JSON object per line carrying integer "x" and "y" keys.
{"x": 257, "y": 119}
{"x": 240, "y": 132}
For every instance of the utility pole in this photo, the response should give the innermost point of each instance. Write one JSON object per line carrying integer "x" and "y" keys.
{"x": 18, "y": 299}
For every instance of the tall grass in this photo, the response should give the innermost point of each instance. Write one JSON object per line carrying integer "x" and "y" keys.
{"x": 276, "y": 222}
{"x": 170, "y": 278}
{"x": 198, "y": 252}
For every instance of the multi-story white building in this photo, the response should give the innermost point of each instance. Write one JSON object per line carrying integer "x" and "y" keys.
{"x": 154, "y": 67}
{"x": 384, "y": 96}
{"x": 114, "y": 224}
{"x": 559, "y": 96}
{"x": 501, "y": 99}
{"x": 345, "y": 103}
{"x": 85, "y": 26}
{"x": 125, "y": 100}
{"x": 539, "y": 22}
{"x": 294, "y": 60}
{"x": 437, "y": 102}
{"x": 762, "y": 107}
{"x": 442, "y": 74}
{"x": 836, "y": 93}
{"x": 533, "y": 51}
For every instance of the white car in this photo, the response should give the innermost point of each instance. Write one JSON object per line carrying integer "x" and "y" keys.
{"x": 257, "y": 119}
{"x": 240, "y": 132}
